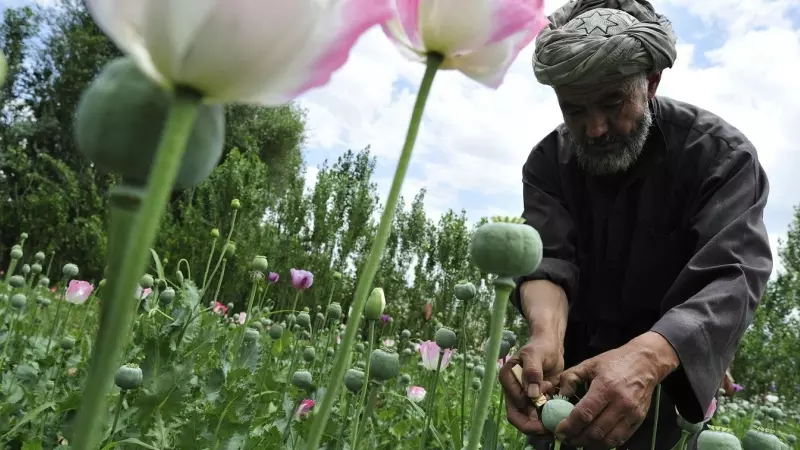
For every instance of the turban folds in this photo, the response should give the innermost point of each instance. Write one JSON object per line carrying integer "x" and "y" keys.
{"x": 595, "y": 41}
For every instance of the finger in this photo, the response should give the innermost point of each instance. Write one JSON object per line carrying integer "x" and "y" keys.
{"x": 584, "y": 413}
{"x": 525, "y": 420}
{"x": 598, "y": 431}
{"x": 622, "y": 431}
{"x": 573, "y": 377}
{"x": 512, "y": 389}
{"x": 532, "y": 373}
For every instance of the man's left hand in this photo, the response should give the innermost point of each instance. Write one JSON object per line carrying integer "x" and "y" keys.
{"x": 621, "y": 384}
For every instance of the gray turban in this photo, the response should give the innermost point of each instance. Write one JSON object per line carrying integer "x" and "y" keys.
{"x": 595, "y": 41}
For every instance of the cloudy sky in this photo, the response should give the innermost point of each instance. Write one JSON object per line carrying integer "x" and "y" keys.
{"x": 737, "y": 58}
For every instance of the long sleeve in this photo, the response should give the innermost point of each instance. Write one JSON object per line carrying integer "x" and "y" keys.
{"x": 712, "y": 302}
{"x": 546, "y": 211}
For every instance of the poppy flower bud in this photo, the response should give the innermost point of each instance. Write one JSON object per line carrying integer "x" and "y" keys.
{"x": 320, "y": 317}
{"x": 16, "y": 253}
{"x": 309, "y": 353}
{"x": 479, "y": 371}
{"x": 465, "y": 291}
{"x": 235, "y": 204}
{"x": 229, "y": 306}
{"x": 16, "y": 281}
{"x": 43, "y": 301}
{"x": 375, "y": 304}
{"x": 329, "y": 352}
{"x": 68, "y": 343}
{"x": 337, "y": 276}
{"x": 23, "y": 237}
{"x": 265, "y": 322}
{"x": 69, "y": 270}
{"x": 18, "y": 301}
{"x": 359, "y": 347}
{"x": 354, "y": 380}
{"x": 179, "y": 277}
{"x": 147, "y": 281}
{"x": 230, "y": 249}
{"x": 383, "y": 365}
{"x": 215, "y": 233}
{"x": 119, "y": 123}
{"x": 476, "y": 384}
{"x": 276, "y": 331}
{"x": 407, "y": 352}
{"x": 26, "y": 269}
{"x": 39, "y": 257}
{"x": 505, "y": 347}
{"x": 506, "y": 247}
{"x": 470, "y": 366}
{"x": 405, "y": 378}
{"x": 44, "y": 281}
{"x": 167, "y": 295}
{"x": 405, "y": 334}
{"x": 509, "y": 337}
{"x": 446, "y": 338}
{"x": 160, "y": 284}
{"x": 334, "y": 311}
{"x": 302, "y": 379}
{"x": 128, "y": 377}
{"x": 36, "y": 268}
{"x": 251, "y": 335}
{"x": 303, "y": 319}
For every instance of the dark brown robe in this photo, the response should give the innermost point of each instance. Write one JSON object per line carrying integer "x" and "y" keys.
{"x": 677, "y": 245}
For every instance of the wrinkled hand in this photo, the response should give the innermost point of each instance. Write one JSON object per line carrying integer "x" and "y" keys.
{"x": 621, "y": 384}
{"x": 542, "y": 363}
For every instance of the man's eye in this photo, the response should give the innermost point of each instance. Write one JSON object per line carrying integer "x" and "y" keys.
{"x": 614, "y": 105}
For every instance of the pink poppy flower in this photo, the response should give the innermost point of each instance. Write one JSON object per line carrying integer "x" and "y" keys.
{"x": 388, "y": 342}
{"x": 416, "y": 393}
{"x": 305, "y": 408}
{"x": 429, "y": 352}
{"x": 242, "y": 318}
{"x": 220, "y": 309}
{"x": 78, "y": 291}
{"x": 301, "y": 279}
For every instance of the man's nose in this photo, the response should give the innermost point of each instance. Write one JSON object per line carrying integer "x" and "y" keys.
{"x": 596, "y": 126}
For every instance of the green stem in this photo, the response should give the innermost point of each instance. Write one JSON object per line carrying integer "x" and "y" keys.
{"x": 655, "y": 417}
{"x": 188, "y": 275}
{"x": 9, "y": 336}
{"x": 50, "y": 264}
{"x": 12, "y": 266}
{"x": 249, "y": 312}
{"x": 221, "y": 277}
{"x": 463, "y": 349}
{"x": 502, "y": 290}
{"x": 374, "y": 389}
{"x": 371, "y": 267}
{"x": 364, "y": 389}
{"x": 208, "y": 263}
{"x": 128, "y": 259}
{"x": 120, "y": 400}
{"x": 55, "y": 324}
{"x": 431, "y": 402}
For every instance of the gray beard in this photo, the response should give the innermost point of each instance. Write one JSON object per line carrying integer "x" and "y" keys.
{"x": 608, "y": 163}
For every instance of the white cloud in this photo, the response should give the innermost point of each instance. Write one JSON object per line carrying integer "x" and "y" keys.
{"x": 474, "y": 140}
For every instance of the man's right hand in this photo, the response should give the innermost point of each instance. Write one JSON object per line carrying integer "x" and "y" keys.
{"x": 542, "y": 363}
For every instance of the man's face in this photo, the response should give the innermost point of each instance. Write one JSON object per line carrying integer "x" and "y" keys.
{"x": 609, "y": 124}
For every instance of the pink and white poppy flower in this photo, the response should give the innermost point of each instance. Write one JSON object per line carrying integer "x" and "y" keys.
{"x": 416, "y": 393}
{"x": 78, "y": 291}
{"x": 480, "y": 38}
{"x": 429, "y": 352}
{"x": 305, "y": 408}
{"x": 262, "y": 52}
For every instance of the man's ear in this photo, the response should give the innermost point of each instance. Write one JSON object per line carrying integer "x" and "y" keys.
{"x": 652, "y": 84}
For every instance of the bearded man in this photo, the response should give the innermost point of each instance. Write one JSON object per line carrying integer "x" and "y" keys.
{"x": 655, "y": 251}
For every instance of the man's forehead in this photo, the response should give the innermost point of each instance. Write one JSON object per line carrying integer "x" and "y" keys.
{"x": 592, "y": 93}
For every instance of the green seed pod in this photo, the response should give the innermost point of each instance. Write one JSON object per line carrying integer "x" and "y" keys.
{"x": 320, "y": 317}
{"x": 128, "y": 377}
{"x": 26, "y": 269}
{"x": 265, "y": 322}
{"x": 16, "y": 281}
{"x": 229, "y": 306}
{"x": 309, "y": 353}
{"x": 68, "y": 343}
{"x": 334, "y": 311}
{"x": 36, "y": 268}
{"x": 554, "y": 411}
{"x": 235, "y": 204}
{"x": 44, "y": 281}
{"x": 251, "y": 335}
{"x": 476, "y": 383}
{"x": 407, "y": 352}
{"x": 276, "y": 331}
{"x": 741, "y": 413}
{"x": 479, "y": 371}
{"x": 260, "y": 264}
{"x": 43, "y": 301}
{"x": 717, "y": 440}
{"x": 505, "y": 347}
{"x": 295, "y": 328}
{"x": 23, "y": 237}
{"x": 792, "y": 439}
{"x": 147, "y": 281}
{"x": 329, "y": 352}
{"x": 775, "y": 413}
{"x": 405, "y": 334}
{"x": 230, "y": 249}
{"x": 337, "y": 276}
{"x": 303, "y": 319}
{"x": 120, "y": 119}
{"x": 18, "y": 301}
{"x": 383, "y": 365}
{"x": 302, "y": 379}
{"x": 758, "y": 440}
{"x": 725, "y": 420}
{"x": 405, "y": 378}
{"x": 509, "y": 337}
{"x": 16, "y": 253}
{"x": 214, "y": 233}
{"x": 166, "y": 296}
{"x": 470, "y": 366}
{"x": 375, "y": 304}
{"x": 256, "y": 325}
{"x": 69, "y": 270}
{"x": 354, "y": 380}
{"x": 359, "y": 347}
{"x": 446, "y": 338}
{"x": 39, "y": 257}
{"x": 465, "y": 291}
{"x": 506, "y": 248}
{"x": 179, "y": 277}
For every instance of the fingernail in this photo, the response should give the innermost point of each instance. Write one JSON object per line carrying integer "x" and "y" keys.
{"x": 533, "y": 391}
